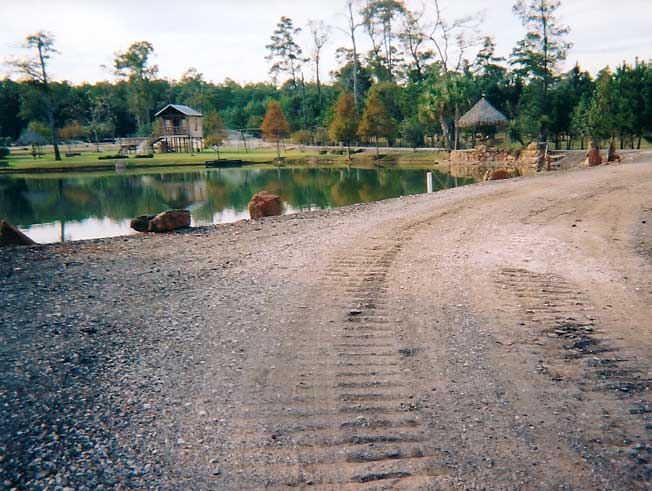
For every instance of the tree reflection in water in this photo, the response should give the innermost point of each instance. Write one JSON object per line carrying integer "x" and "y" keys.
{"x": 106, "y": 202}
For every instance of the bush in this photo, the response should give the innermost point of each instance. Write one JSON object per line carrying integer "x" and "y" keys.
{"x": 302, "y": 137}
{"x": 111, "y": 157}
{"x": 4, "y": 152}
{"x": 4, "y": 163}
{"x": 145, "y": 156}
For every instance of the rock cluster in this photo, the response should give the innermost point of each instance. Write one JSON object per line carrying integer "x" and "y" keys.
{"x": 264, "y": 204}
{"x": 10, "y": 235}
{"x": 163, "y": 222}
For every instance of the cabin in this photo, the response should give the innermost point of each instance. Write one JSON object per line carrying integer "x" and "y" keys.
{"x": 180, "y": 129}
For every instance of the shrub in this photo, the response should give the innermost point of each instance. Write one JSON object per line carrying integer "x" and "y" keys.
{"x": 145, "y": 156}
{"x": 302, "y": 137}
{"x": 4, "y": 152}
{"x": 111, "y": 157}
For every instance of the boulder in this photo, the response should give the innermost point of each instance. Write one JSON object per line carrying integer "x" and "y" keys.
{"x": 141, "y": 223}
{"x": 498, "y": 175}
{"x": 264, "y": 204}
{"x": 10, "y": 235}
{"x": 612, "y": 156}
{"x": 163, "y": 222}
{"x": 169, "y": 220}
{"x": 593, "y": 156}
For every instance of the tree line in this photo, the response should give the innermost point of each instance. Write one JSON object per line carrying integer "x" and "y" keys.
{"x": 413, "y": 84}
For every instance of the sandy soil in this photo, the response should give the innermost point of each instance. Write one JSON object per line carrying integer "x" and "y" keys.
{"x": 495, "y": 337}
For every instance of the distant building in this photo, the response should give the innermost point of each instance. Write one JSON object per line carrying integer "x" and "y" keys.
{"x": 180, "y": 129}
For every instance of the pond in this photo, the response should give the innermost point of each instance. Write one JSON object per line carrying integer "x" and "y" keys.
{"x": 83, "y": 206}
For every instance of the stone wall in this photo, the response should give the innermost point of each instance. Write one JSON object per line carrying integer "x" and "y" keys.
{"x": 482, "y": 161}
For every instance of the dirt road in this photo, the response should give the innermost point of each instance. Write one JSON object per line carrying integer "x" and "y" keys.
{"x": 494, "y": 337}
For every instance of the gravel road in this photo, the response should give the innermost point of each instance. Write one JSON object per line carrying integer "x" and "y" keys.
{"x": 490, "y": 337}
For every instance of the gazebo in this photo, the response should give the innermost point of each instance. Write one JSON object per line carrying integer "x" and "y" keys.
{"x": 484, "y": 117}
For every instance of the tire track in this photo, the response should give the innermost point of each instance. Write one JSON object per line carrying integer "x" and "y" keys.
{"x": 353, "y": 421}
{"x": 618, "y": 388}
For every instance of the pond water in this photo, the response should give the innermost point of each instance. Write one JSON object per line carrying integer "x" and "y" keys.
{"x": 85, "y": 206}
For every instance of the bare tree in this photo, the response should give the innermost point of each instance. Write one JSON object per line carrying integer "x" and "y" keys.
{"x": 35, "y": 69}
{"x": 459, "y": 34}
{"x": 320, "y": 33}
{"x": 352, "y": 27}
{"x": 413, "y": 39}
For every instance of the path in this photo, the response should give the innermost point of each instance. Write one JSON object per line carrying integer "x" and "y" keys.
{"x": 488, "y": 337}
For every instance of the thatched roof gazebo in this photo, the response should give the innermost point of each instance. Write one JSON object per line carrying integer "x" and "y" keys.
{"x": 483, "y": 115}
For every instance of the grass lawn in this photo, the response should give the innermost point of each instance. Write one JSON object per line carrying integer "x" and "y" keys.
{"x": 88, "y": 161}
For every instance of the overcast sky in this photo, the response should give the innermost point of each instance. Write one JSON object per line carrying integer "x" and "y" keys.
{"x": 227, "y": 38}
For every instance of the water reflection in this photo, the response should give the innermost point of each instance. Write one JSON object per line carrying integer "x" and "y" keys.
{"x": 86, "y": 206}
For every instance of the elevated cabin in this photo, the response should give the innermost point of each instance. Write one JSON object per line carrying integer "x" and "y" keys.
{"x": 180, "y": 129}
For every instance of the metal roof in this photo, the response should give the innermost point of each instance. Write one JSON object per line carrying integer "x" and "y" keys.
{"x": 482, "y": 114}
{"x": 187, "y": 111}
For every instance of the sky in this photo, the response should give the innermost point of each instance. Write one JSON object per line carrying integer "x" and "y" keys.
{"x": 226, "y": 38}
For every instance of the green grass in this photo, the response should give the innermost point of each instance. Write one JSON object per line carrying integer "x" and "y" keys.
{"x": 87, "y": 161}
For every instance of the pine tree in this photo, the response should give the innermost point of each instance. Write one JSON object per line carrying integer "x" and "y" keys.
{"x": 539, "y": 53}
{"x": 275, "y": 124}
{"x": 35, "y": 69}
{"x": 345, "y": 121}
{"x": 284, "y": 52}
{"x": 375, "y": 121}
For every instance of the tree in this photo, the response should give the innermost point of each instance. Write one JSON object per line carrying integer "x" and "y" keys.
{"x": 344, "y": 126}
{"x": 134, "y": 65}
{"x": 444, "y": 102}
{"x": 352, "y": 27}
{"x": 375, "y": 121}
{"x": 284, "y": 52}
{"x": 215, "y": 132}
{"x": 413, "y": 38}
{"x": 70, "y": 131}
{"x": 320, "y": 33}
{"x": 35, "y": 69}
{"x": 445, "y": 36}
{"x": 412, "y": 132}
{"x": 542, "y": 49}
{"x": 275, "y": 124}
{"x": 379, "y": 18}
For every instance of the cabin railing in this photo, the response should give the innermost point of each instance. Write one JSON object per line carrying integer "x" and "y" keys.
{"x": 175, "y": 131}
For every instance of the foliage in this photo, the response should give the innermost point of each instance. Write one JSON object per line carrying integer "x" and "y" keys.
{"x": 134, "y": 65}
{"x": 376, "y": 121}
{"x": 214, "y": 131}
{"x": 417, "y": 68}
{"x": 302, "y": 137}
{"x": 71, "y": 131}
{"x": 275, "y": 124}
{"x": 284, "y": 53}
{"x": 35, "y": 69}
{"x": 4, "y": 152}
{"x": 412, "y": 132}
{"x": 344, "y": 126}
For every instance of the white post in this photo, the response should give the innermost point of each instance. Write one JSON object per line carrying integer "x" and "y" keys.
{"x": 429, "y": 181}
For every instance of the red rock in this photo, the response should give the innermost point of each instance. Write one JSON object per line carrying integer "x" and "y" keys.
{"x": 498, "y": 175}
{"x": 10, "y": 235}
{"x": 141, "y": 223}
{"x": 594, "y": 157}
{"x": 264, "y": 204}
{"x": 169, "y": 220}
